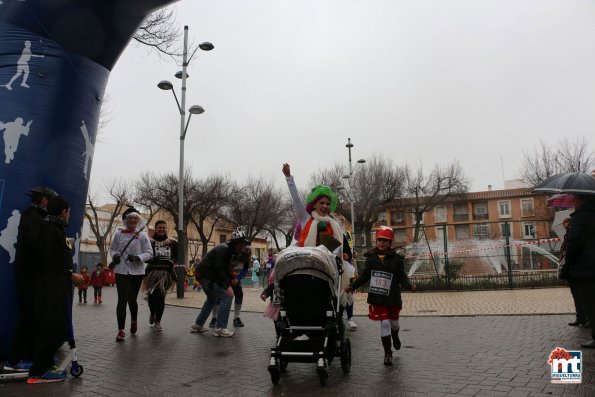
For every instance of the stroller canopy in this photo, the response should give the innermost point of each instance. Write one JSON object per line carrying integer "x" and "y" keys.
{"x": 315, "y": 261}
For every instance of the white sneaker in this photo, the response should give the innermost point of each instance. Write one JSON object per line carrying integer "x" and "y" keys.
{"x": 157, "y": 327}
{"x": 224, "y": 332}
{"x": 195, "y": 329}
{"x": 352, "y": 325}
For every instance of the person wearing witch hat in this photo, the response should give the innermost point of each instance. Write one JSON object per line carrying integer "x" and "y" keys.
{"x": 26, "y": 268}
{"x": 130, "y": 250}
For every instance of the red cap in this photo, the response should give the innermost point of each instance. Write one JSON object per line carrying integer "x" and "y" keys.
{"x": 385, "y": 232}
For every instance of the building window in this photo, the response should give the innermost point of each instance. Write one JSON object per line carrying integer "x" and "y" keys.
{"x": 527, "y": 208}
{"x": 480, "y": 211}
{"x": 401, "y": 235}
{"x": 440, "y": 214}
{"x": 481, "y": 231}
{"x": 440, "y": 234}
{"x": 504, "y": 209}
{"x": 502, "y": 229}
{"x": 397, "y": 217}
{"x": 461, "y": 213}
{"x": 381, "y": 218}
{"x": 528, "y": 230}
{"x": 462, "y": 232}
{"x": 222, "y": 238}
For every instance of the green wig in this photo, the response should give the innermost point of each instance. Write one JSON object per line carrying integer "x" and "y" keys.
{"x": 316, "y": 193}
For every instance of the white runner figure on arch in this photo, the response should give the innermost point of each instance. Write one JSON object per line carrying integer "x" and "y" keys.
{"x": 12, "y": 133}
{"x": 23, "y": 66}
{"x": 8, "y": 236}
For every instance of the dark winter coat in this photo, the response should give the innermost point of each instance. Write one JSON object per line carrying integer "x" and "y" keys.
{"x": 54, "y": 296}
{"x": 215, "y": 265}
{"x": 387, "y": 276}
{"x": 30, "y": 227}
{"x": 580, "y": 243}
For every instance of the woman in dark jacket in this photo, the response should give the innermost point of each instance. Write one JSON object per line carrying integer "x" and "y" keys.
{"x": 385, "y": 270}
{"x": 580, "y": 257}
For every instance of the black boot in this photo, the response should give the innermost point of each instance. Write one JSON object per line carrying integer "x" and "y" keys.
{"x": 396, "y": 340}
{"x": 388, "y": 354}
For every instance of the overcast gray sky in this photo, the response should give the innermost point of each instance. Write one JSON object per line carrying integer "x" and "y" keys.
{"x": 419, "y": 81}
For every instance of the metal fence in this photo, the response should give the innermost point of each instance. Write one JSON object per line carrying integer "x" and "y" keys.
{"x": 509, "y": 254}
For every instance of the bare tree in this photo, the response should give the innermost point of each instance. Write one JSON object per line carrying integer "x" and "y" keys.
{"x": 210, "y": 196}
{"x": 103, "y": 219}
{"x": 159, "y": 31}
{"x": 283, "y": 221}
{"x": 423, "y": 192}
{"x": 566, "y": 156}
{"x": 202, "y": 200}
{"x": 255, "y": 205}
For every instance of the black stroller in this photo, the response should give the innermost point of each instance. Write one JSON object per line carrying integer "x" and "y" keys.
{"x": 309, "y": 329}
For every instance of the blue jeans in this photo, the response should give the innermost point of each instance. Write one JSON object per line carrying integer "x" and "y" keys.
{"x": 215, "y": 295}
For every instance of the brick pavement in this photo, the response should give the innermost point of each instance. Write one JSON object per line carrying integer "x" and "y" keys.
{"x": 468, "y": 303}
{"x": 441, "y": 355}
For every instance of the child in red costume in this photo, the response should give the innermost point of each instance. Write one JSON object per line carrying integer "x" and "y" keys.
{"x": 385, "y": 270}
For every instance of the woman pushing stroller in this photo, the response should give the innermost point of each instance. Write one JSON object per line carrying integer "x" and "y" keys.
{"x": 385, "y": 271}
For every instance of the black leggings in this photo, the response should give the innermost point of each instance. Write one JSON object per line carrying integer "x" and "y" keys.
{"x": 97, "y": 292}
{"x": 82, "y": 294}
{"x": 128, "y": 286}
{"x": 157, "y": 304}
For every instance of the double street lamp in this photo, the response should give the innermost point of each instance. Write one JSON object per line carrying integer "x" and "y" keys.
{"x": 195, "y": 109}
{"x": 349, "y": 145}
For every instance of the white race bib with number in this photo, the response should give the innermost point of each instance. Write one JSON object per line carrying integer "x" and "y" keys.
{"x": 380, "y": 282}
{"x": 163, "y": 252}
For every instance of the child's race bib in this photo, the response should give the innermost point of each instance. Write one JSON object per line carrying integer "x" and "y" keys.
{"x": 380, "y": 282}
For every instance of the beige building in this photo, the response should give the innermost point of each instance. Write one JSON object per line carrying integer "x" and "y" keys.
{"x": 219, "y": 234}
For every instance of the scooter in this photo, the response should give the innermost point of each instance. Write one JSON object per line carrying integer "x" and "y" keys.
{"x": 71, "y": 359}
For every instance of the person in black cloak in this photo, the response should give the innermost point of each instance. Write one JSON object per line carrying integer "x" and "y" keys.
{"x": 30, "y": 226}
{"x": 54, "y": 297}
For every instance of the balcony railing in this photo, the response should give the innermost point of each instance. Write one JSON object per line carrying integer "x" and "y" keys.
{"x": 461, "y": 217}
{"x": 480, "y": 217}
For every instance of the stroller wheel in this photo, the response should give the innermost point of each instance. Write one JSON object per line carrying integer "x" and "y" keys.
{"x": 346, "y": 356}
{"x": 322, "y": 374}
{"x": 283, "y": 365}
{"x": 76, "y": 370}
{"x": 275, "y": 374}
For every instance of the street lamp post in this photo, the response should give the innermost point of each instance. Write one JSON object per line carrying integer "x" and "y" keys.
{"x": 349, "y": 145}
{"x": 195, "y": 109}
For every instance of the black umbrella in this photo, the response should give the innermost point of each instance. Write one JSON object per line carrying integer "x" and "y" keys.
{"x": 572, "y": 182}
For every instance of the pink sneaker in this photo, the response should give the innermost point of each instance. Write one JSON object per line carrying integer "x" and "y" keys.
{"x": 133, "y": 327}
{"x": 121, "y": 336}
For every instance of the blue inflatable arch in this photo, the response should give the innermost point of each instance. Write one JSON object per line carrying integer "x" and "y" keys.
{"x": 55, "y": 59}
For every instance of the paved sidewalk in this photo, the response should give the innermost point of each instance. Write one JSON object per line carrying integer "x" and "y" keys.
{"x": 468, "y": 303}
{"x": 472, "y": 355}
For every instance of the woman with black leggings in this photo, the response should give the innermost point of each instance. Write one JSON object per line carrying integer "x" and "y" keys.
{"x": 130, "y": 250}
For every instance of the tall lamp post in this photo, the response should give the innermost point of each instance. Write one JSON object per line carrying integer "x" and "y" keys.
{"x": 195, "y": 109}
{"x": 349, "y": 190}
